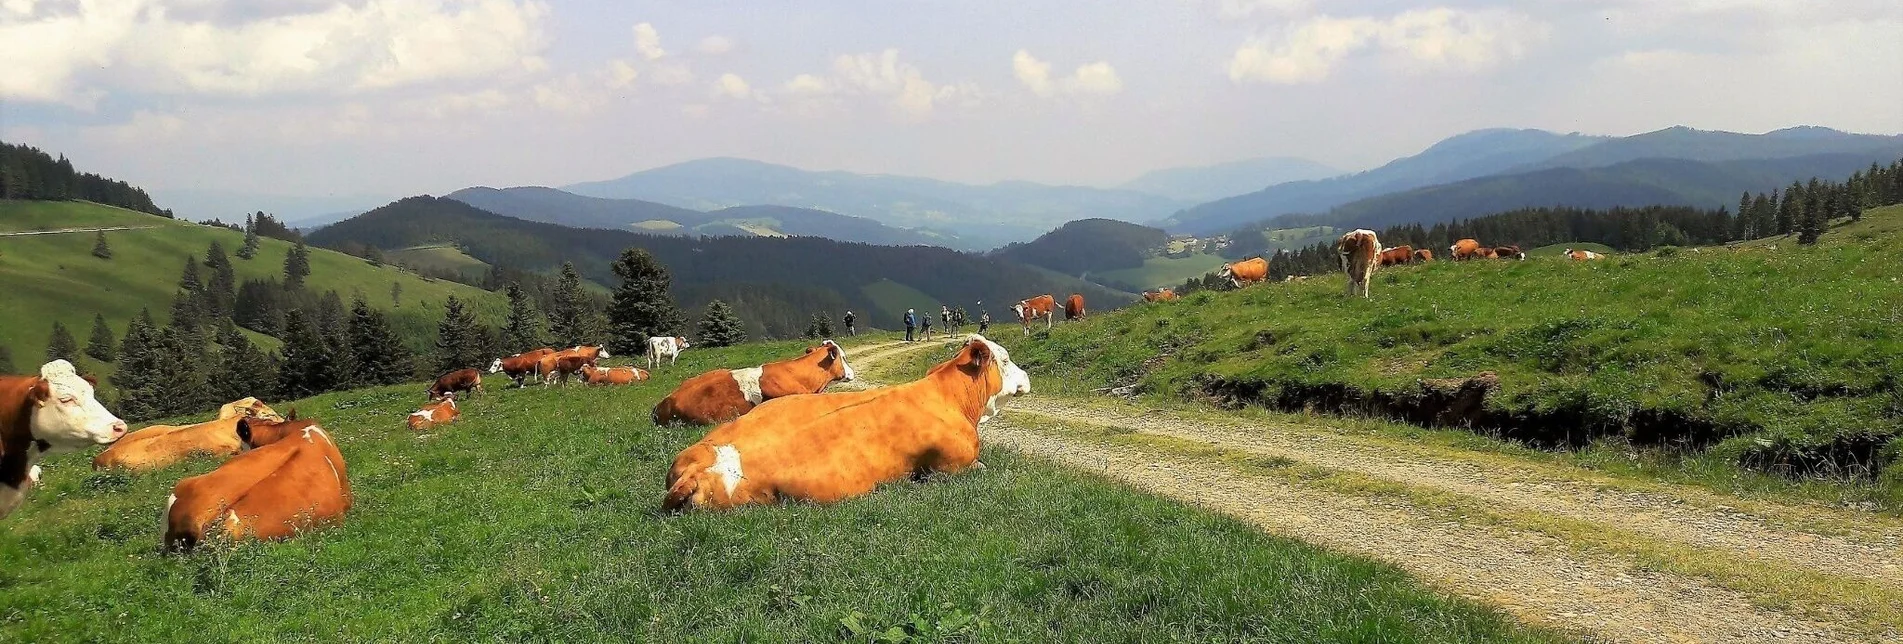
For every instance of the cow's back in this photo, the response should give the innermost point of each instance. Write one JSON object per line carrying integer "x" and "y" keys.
{"x": 162, "y": 445}
{"x": 267, "y": 493}
{"x": 705, "y": 399}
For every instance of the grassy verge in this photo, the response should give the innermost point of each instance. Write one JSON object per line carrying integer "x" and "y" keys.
{"x": 534, "y": 518}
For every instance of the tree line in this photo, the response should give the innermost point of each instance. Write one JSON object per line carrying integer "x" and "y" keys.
{"x": 28, "y": 173}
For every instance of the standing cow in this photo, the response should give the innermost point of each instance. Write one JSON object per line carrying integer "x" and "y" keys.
{"x": 1038, "y": 307}
{"x": 458, "y": 381}
{"x": 49, "y": 413}
{"x": 560, "y": 366}
{"x": 1402, "y": 254}
{"x": 1360, "y": 253}
{"x": 1464, "y": 250}
{"x": 1245, "y": 272}
{"x": 519, "y": 366}
{"x": 1423, "y": 256}
{"x": 1074, "y": 307}
{"x": 725, "y": 394}
{"x": 669, "y": 348}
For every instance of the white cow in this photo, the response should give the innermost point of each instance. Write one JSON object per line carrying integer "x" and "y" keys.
{"x": 54, "y": 412}
{"x": 669, "y": 348}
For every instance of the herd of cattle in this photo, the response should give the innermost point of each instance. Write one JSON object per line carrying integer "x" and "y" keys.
{"x": 1361, "y": 253}
{"x": 779, "y": 435}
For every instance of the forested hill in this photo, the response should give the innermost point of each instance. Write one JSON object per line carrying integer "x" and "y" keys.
{"x": 27, "y": 173}
{"x": 1088, "y": 245}
{"x": 780, "y": 278}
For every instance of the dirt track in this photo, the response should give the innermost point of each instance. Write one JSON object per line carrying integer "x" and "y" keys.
{"x": 1552, "y": 545}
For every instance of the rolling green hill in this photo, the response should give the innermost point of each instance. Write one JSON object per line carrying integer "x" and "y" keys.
{"x": 1161, "y": 271}
{"x": 1088, "y": 246}
{"x": 55, "y": 277}
{"x": 441, "y": 258}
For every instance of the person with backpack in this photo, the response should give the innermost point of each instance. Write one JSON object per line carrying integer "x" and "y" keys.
{"x": 984, "y": 321}
{"x": 910, "y": 322}
{"x": 850, "y": 329}
{"x": 928, "y": 328}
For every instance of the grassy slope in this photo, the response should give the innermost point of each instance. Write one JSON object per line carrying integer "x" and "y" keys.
{"x": 534, "y": 518}
{"x": 1556, "y": 250}
{"x": 893, "y": 299}
{"x": 441, "y": 258}
{"x": 1801, "y": 342}
{"x": 55, "y": 277}
{"x": 1164, "y": 271}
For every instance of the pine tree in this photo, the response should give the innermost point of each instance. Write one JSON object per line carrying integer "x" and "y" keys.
{"x": 719, "y": 327}
{"x": 305, "y": 368}
{"x": 61, "y": 345}
{"x": 572, "y": 318}
{"x": 186, "y": 312}
{"x": 250, "y": 247}
{"x": 100, "y": 249}
{"x": 524, "y": 329}
{"x": 297, "y": 266}
{"x": 381, "y": 359}
{"x": 141, "y": 365}
{"x": 820, "y": 327}
{"x": 221, "y": 290}
{"x": 396, "y": 294}
{"x": 1810, "y": 225}
{"x": 6, "y": 361}
{"x": 183, "y": 386}
{"x": 333, "y": 323}
{"x": 1789, "y": 209}
{"x": 189, "y": 280}
{"x": 100, "y": 345}
{"x": 642, "y": 307}
{"x": 243, "y": 369}
{"x": 373, "y": 255}
{"x": 458, "y": 341}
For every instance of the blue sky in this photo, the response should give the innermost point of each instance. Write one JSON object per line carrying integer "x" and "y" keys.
{"x": 395, "y": 97}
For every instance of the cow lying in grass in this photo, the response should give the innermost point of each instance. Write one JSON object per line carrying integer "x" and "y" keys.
{"x": 162, "y": 445}
{"x": 828, "y": 447}
{"x": 290, "y": 478}
{"x": 725, "y": 394}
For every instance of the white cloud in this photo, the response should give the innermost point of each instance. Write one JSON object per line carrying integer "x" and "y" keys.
{"x": 1097, "y": 78}
{"x": 1444, "y": 38}
{"x": 808, "y": 85}
{"x": 901, "y": 84}
{"x": 714, "y": 45}
{"x": 672, "y": 73}
{"x": 732, "y": 86}
{"x": 647, "y": 41}
{"x": 621, "y": 73}
{"x": 1251, "y": 8}
{"x": 65, "y": 52}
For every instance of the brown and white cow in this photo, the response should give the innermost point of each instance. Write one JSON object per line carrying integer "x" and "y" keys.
{"x": 1423, "y": 256}
{"x": 49, "y": 413}
{"x": 1397, "y": 255}
{"x": 1074, "y": 307}
{"x": 1509, "y": 252}
{"x": 596, "y": 352}
{"x": 1582, "y": 255}
{"x": 828, "y": 447}
{"x": 441, "y": 412}
{"x": 291, "y": 478}
{"x": 665, "y": 347}
{"x": 1360, "y": 253}
{"x": 1463, "y": 250}
{"x": 160, "y": 446}
{"x": 458, "y": 381}
{"x": 613, "y": 375}
{"x": 1038, "y": 307}
{"x": 1160, "y": 295}
{"x": 1245, "y": 272}
{"x": 519, "y": 366}
{"x": 559, "y": 366}
{"x": 725, "y": 394}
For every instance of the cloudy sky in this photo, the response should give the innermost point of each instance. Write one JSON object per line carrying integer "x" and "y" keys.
{"x": 393, "y": 97}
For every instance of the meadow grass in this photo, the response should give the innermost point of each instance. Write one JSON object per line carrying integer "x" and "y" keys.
{"x": 446, "y": 258}
{"x": 1163, "y": 271}
{"x": 534, "y": 518}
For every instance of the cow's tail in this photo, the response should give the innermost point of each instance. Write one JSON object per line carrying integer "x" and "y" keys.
{"x": 683, "y": 480}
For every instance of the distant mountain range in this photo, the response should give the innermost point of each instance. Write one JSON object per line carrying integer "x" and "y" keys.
{"x": 1210, "y": 182}
{"x": 296, "y": 211}
{"x": 982, "y": 216}
{"x": 549, "y": 205}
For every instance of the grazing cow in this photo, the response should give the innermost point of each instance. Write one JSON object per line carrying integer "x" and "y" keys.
{"x": 1509, "y": 252}
{"x": 162, "y": 445}
{"x": 1032, "y": 309}
{"x": 725, "y": 394}
{"x": 441, "y": 412}
{"x": 1398, "y": 255}
{"x": 828, "y": 447}
{"x": 1360, "y": 253}
{"x": 1582, "y": 255}
{"x": 669, "y": 348}
{"x": 290, "y": 478}
{"x": 1463, "y": 250}
{"x": 597, "y": 352}
{"x": 1160, "y": 295}
{"x": 1485, "y": 253}
{"x": 519, "y": 366}
{"x": 49, "y": 413}
{"x": 1423, "y": 256}
{"x": 1246, "y": 272}
{"x": 613, "y": 375}
{"x": 1074, "y": 307}
{"x": 560, "y": 366}
{"x": 461, "y": 380}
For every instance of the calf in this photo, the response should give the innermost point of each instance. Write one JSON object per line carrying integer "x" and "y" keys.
{"x": 460, "y": 380}
{"x": 725, "y": 394}
{"x": 1074, "y": 307}
{"x": 441, "y": 412}
{"x": 1398, "y": 255}
{"x": 49, "y": 413}
{"x": 1245, "y": 272}
{"x": 1034, "y": 308}
{"x": 613, "y": 375}
{"x": 828, "y": 447}
{"x": 160, "y": 446}
{"x": 669, "y": 348}
{"x": 1423, "y": 256}
{"x": 1160, "y": 295}
{"x": 291, "y": 478}
{"x": 1360, "y": 251}
{"x": 1583, "y": 255}
{"x": 519, "y": 366}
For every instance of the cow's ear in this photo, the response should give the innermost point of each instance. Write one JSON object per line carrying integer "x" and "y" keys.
{"x": 41, "y": 392}
{"x": 293, "y": 415}
{"x": 244, "y": 431}
{"x": 980, "y": 352}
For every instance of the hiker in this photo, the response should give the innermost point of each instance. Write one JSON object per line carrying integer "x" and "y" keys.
{"x": 928, "y": 328}
{"x": 945, "y": 316}
{"x": 910, "y": 321}
{"x": 850, "y": 329}
{"x": 984, "y": 321}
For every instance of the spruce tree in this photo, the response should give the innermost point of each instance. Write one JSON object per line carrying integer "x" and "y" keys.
{"x": 183, "y": 386}
{"x": 61, "y": 345}
{"x": 100, "y": 345}
{"x": 381, "y": 358}
{"x": 221, "y": 289}
{"x": 1811, "y": 225}
{"x": 642, "y": 307}
{"x": 242, "y": 369}
{"x": 100, "y": 249}
{"x": 305, "y": 368}
{"x": 396, "y": 294}
{"x": 524, "y": 329}
{"x": 250, "y": 247}
{"x": 459, "y": 343}
{"x": 572, "y": 318}
{"x": 333, "y": 323}
{"x": 189, "y": 280}
{"x": 719, "y": 327}
{"x": 1790, "y": 209}
{"x": 141, "y": 365}
{"x": 297, "y": 266}
{"x": 6, "y": 361}
{"x": 820, "y": 327}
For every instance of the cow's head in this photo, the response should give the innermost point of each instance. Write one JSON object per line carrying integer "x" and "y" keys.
{"x": 999, "y": 378}
{"x": 834, "y": 362}
{"x": 496, "y": 367}
{"x": 254, "y": 433}
{"x": 1020, "y": 307}
{"x": 65, "y": 413}
{"x": 602, "y": 351}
